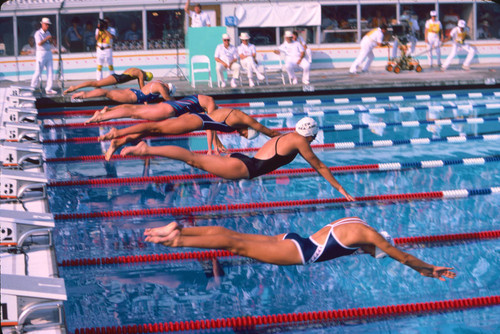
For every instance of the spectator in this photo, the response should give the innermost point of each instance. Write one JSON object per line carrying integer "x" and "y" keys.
{"x": 55, "y": 47}
{"x": 43, "y": 56}
{"x": 433, "y": 37}
{"x": 371, "y": 40}
{"x": 247, "y": 54}
{"x": 294, "y": 57}
{"x": 89, "y": 36}
{"x": 484, "y": 32}
{"x": 378, "y": 20}
{"x": 29, "y": 49}
{"x": 104, "y": 49}
{"x": 198, "y": 18}
{"x": 133, "y": 34}
{"x": 458, "y": 36}
{"x": 74, "y": 36}
{"x": 226, "y": 58}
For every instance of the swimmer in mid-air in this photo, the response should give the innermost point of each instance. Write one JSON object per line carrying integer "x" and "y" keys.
{"x": 114, "y": 79}
{"x": 156, "y": 111}
{"x": 340, "y": 238}
{"x": 222, "y": 119}
{"x": 148, "y": 93}
{"x": 276, "y": 152}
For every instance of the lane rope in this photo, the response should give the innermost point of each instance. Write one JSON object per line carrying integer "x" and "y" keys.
{"x": 391, "y": 166}
{"x": 332, "y": 146}
{"x": 304, "y": 318}
{"x": 211, "y": 254}
{"x": 334, "y": 127}
{"x": 175, "y": 211}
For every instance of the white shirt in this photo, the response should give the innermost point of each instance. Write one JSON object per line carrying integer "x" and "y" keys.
{"x": 373, "y": 38}
{"x": 226, "y": 55}
{"x": 247, "y": 50}
{"x": 28, "y": 49}
{"x": 199, "y": 20}
{"x": 39, "y": 36}
{"x": 292, "y": 50}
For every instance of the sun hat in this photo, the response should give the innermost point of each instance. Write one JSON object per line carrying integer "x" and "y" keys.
{"x": 149, "y": 76}
{"x": 288, "y": 33}
{"x": 307, "y": 127}
{"x": 461, "y": 24}
{"x": 244, "y": 35}
{"x": 46, "y": 20}
{"x": 225, "y": 36}
{"x": 433, "y": 13}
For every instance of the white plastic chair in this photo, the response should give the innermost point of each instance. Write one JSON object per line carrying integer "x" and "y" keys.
{"x": 197, "y": 60}
{"x": 270, "y": 69}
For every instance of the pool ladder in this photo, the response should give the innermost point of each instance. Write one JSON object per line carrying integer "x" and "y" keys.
{"x": 31, "y": 291}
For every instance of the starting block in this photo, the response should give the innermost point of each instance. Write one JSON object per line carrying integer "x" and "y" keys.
{"x": 17, "y": 225}
{"x": 20, "y": 115}
{"x": 22, "y": 186}
{"x": 22, "y": 296}
{"x": 21, "y": 131}
{"x": 22, "y": 91}
{"x": 21, "y": 155}
{"x": 21, "y": 101}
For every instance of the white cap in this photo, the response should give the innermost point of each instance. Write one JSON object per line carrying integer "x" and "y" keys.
{"x": 307, "y": 127}
{"x": 171, "y": 88}
{"x": 461, "y": 24}
{"x": 252, "y": 133}
{"x": 225, "y": 36}
{"x": 379, "y": 254}
{"x": 288, "y": 33}
{"x": 433, "y": 13}
{"x": 244, "y": 35}
{"x": 46, "y": 20}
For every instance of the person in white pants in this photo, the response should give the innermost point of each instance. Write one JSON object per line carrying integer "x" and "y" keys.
{"x": 43, "y": 44}
{"x": 433, "y": 37}
{"x": 247, "y": 54}
{"x": 412, "y": 34}
{"x": 458, "y": 35}
{"x": 226, "y": 57}
{"x": 104, "y": 47}
{"x": 294, "y": 57}
{"x": 371, "y": 40}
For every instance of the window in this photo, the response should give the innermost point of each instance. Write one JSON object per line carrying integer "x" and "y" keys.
{"x": 78, "y": 31}
{"x": 372, "y": 16}
{"x": 165, "y": 29}
{"x": 450, "y": 14}
{"x": 338, "y": 24}
{"x": 128, "y": 27}
{"x": 261, "y": 36}
{"x": 28, "y": 25}
{"x": 6, "y": 37}
{"x": 488, "y": 25}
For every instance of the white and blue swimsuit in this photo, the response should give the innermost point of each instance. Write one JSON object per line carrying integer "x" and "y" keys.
{"x": 310, "y": 251}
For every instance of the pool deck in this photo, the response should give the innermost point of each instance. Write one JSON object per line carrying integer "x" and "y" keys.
{"x": 330, "y": 81}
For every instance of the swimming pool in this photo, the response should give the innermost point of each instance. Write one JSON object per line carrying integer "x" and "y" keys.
{"x": 106, "y": 220}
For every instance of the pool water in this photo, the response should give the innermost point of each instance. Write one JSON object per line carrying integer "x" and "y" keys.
{"x": 111, "y": 295}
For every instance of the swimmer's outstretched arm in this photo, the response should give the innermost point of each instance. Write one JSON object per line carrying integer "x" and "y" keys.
{"x": 425, "y": 269}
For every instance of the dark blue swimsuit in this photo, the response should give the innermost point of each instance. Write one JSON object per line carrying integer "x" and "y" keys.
{"x": 210, "y": 124}
{"x": 141, "y": 97}
{"x": 311, "y": 251}
{"x": 189, "y": 104}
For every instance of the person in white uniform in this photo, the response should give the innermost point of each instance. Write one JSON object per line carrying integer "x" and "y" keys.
{"x": 104, "y": 47}
{"x": 43, "y": 60}
{"x": 372, "y": 39}
{"x": 294, "y": 57}
{"x": 198, "y": 18}
{"x": 226, "y": 57}
{"x": 248, "y": 61}
{"x": 458, "y": 35}
{"x": 433, "y": 37}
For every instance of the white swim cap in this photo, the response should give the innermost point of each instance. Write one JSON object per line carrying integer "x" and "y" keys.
{"x": 379, "y": 254}
{"x": 252, "y": 133}
{"x": 171, "y": 88}
{"x": 307, "y": 127}
{"x": 461, "y": 24}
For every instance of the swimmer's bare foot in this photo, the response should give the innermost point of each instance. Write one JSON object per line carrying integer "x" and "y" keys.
{"x": 69, "y": 90}
{"x": 112, "y": 148}
{"x": 94, "y": 119}
{"x": 167, "y": 235}
{"x": 110, "y": 135}
{"x": 139, "y": 149}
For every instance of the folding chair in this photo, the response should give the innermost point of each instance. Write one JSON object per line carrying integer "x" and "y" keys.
{"x": 200, "y": 60}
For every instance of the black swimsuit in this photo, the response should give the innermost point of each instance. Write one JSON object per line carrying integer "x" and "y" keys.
{"x": 121, "y": 78}
{"x": 258, "y": 167}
